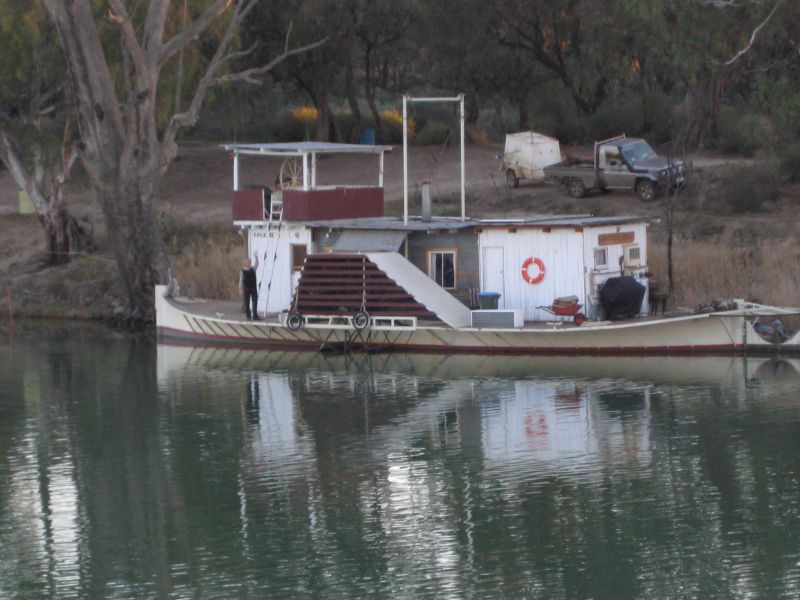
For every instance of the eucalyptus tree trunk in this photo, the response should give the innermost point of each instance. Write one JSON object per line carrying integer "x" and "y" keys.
{"x": 352, "y": 102}
{"x": 65, "y": 236}
{"x": 126, "y": 147}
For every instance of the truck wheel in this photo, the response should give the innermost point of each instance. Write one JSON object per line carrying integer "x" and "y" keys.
{"x": 646, "y": 190}
{"x": 511, "y": 179}
{"x": 575, "y": 188}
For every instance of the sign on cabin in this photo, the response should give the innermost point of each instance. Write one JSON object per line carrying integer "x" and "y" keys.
{"x": 609, "y": 239}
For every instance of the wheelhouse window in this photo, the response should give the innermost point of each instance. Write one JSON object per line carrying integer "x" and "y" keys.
{"x": 442, "y": 268}
{"x": 600, "y": 258}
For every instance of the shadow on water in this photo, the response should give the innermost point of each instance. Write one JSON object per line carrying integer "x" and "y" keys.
{"x": 132, "y": 469}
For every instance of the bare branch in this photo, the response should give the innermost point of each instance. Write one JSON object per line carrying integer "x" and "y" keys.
{"x": 250, "y": 75}
{"x": 240, "y": 54}
{"x": 154, "y": 28}
{"x": 753, "y": 35}
{"x": 118, "y": 15}
{"x": 196, "y": 27}
{"x": 222, "y": 55}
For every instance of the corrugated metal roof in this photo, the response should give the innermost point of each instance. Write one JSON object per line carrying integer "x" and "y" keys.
{"x": 295, "y": 148}
{"x": 564, "y": 221}
{"x": 354, "y": 240}
{"x": 396, "y": 223}
{"x": 455, "y": 223}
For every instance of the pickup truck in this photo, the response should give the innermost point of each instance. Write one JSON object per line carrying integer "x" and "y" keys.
{"x": 619, "y": 164}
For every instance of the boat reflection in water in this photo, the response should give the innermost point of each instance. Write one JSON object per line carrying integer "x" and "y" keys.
{"x": 559, "y": 414}
{"x": 545, "y": 416}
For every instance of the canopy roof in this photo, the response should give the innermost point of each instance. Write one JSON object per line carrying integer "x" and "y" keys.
{"x": 300, "y": 148}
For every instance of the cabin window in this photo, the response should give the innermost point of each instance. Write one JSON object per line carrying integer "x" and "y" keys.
{"x": 299, "y": 253}
{"x": 632, "y": 256}
{"x": 442, "y": 267}
{"x": 600, "y": 258}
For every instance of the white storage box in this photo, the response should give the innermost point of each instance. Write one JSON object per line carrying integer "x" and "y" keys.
{"x": 498, "y": 319}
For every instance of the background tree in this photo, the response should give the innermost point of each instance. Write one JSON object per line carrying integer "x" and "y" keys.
{"x": 126, "y": 145}
{"x": 37, "y": 135}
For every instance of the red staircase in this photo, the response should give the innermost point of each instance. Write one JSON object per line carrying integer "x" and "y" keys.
{"x": 340, "y": 284}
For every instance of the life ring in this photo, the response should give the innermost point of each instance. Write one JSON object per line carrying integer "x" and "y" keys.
{"x": 294, "y": 321}
{"x": 361, "y": 320}
{"x": 527, "y": 276}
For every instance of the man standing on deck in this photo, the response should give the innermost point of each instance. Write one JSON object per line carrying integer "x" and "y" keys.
{"x": 248, "y": 283}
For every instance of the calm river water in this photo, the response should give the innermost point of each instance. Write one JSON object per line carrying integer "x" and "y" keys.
{"x": 134, "y": 470}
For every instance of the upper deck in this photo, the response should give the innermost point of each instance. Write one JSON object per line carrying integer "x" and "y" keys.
{"x": 296, "y": 191}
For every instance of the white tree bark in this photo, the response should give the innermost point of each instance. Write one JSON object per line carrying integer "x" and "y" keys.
{"x": 123, "y": 149}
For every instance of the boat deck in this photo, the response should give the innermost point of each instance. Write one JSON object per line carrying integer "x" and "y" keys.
{"x": 231, "y": 310}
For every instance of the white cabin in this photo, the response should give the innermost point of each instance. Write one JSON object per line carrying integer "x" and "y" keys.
{"x": 578, "y": 254}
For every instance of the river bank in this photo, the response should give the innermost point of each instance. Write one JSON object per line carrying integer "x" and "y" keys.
{"x": 735, "y": 229}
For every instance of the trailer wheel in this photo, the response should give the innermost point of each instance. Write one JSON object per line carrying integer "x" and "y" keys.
{"x": 579, "y": 319}
{"x": 646, "y": 190}
{"x": 511, "y": 179}
{"x": 576, "y": 188}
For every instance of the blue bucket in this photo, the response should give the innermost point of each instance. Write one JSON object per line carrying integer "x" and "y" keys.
{"x": 368, "y": 137}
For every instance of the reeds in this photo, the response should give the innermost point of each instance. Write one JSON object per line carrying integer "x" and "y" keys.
{"x": 767, "y": 273}
{"x": 210, "y": 268}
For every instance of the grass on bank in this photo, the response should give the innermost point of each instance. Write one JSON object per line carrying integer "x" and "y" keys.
{"x": 207, "y": 260}
{"x": 704, "y": 271}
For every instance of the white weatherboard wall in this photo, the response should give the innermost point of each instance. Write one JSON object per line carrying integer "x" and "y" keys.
{"x": 560, "y": 249}
{"x": 263, "y": 242}
{"x": 597, "y": 276}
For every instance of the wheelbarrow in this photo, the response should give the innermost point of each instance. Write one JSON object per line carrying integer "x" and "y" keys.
{"x": 570, "y": 310}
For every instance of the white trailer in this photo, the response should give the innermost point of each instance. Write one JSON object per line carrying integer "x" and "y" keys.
{"x": 526, "y": 154}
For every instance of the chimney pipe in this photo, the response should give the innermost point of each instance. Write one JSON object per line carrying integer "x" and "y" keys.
{"x": 426, "y": 201}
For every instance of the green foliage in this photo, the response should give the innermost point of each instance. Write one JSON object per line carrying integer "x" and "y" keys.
{"x": 790, "y": 162}
{"x": 748, "y": 189}
{"x": 433, "y": 133}
{"x": 742, "y": 133}
{"x": 617, "y": 116}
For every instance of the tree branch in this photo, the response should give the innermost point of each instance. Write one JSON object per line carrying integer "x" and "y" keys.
{"x": 210, "y": 79}
{"x": 249, "y": 75}
{"x": 9, "y": 155}
{"x": 196, "y": 27}
{"x": 753, "y": 35}
{"x": 118, "y": 15}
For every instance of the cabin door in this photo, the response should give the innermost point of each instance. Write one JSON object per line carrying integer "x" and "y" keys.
{"x": 493, "y": 278}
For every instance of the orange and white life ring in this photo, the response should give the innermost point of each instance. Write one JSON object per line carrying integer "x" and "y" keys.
{"x": 526, "y": 275}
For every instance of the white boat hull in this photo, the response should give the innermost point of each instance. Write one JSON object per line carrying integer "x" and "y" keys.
{"x": 706, "y": 333}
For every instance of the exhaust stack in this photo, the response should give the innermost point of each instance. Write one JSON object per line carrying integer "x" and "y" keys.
{"x": 426, "y": 201}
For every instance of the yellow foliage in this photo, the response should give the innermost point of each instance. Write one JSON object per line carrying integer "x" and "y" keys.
{"x": 478, "y": 137}
{"x": 394, "y": 118}
{"x": 306, "y": 114}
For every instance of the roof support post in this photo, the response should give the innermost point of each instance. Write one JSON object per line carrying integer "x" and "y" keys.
{"x": 235, "y": 171}
{"x": 305, "y": 171}
{"x": 380, "y": 170}
{"x": 460, "y": 100}
{"x": 405, "y": 160}
{"x": 463, "y": 175}
{"x": 313, "y": 170}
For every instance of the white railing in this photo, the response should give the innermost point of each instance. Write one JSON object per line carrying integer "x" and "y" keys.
{"x": 387, "y": 323}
